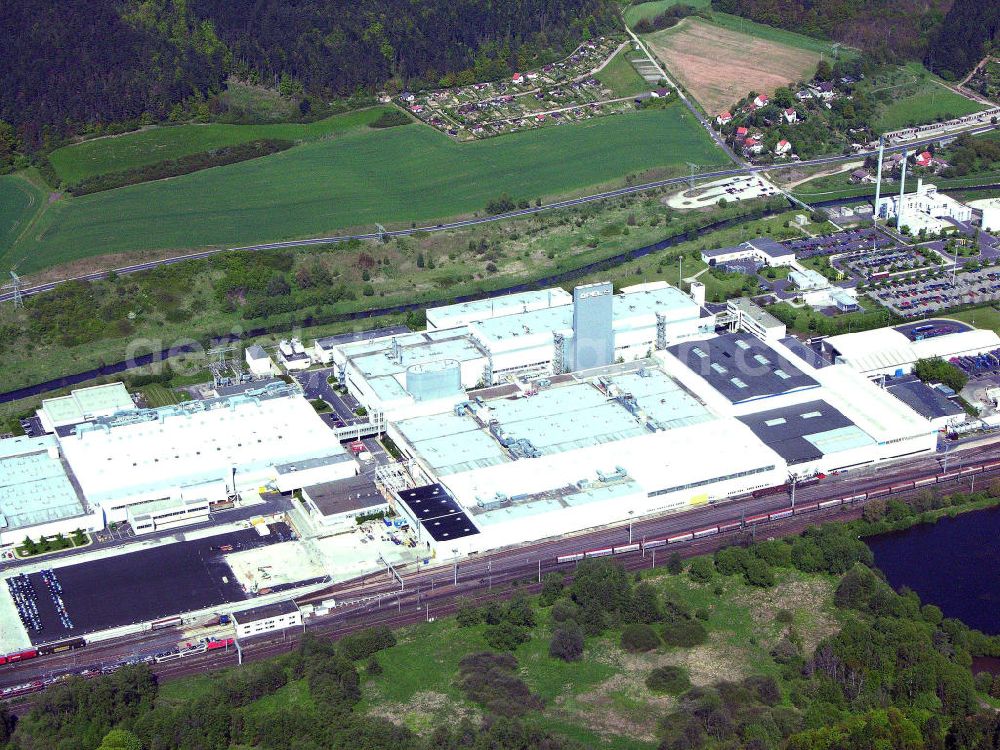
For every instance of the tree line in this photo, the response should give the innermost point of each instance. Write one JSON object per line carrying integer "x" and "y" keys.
{"x": 79, "y": 65}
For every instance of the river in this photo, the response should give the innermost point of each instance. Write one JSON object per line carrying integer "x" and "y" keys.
{"x": 954, "y": 563}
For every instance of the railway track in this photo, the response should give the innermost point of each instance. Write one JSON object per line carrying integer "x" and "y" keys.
{"x": 424, "y": 595}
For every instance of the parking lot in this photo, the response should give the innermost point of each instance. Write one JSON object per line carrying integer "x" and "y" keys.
{"x": 139, "y": 586}
{"x": 838, "y": 243}
{"x": 918, "y": 298}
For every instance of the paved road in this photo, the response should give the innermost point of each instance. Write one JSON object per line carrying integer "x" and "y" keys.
{"x": 628, "y": 190}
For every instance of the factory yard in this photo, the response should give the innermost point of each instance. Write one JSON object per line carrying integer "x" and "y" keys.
{"x": 719, "y": 66}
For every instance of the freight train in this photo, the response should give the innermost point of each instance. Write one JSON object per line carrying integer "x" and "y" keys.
{"x": 777, "y": 515}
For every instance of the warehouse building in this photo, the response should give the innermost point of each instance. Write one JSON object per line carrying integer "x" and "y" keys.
{"x": 421, "y": 373}
{"x": 38, "y": 496}
{"x": 206, "y": 450}
{"x": 268, "y": 618}
{"x": 889, "y": 351}
{"x": 464, "y": 313}
{"x": 335, "y": 506}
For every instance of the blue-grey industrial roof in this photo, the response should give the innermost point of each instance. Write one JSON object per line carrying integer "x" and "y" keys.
{"x": 805, "y": 352}
{"x": 355, "y": 336}
{"x": 926, "y": 401}
{"x": 799, "y": 433}
{"x": 742, "y": 367}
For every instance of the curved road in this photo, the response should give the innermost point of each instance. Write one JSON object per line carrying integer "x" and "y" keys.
{"x": 618, "y": 192}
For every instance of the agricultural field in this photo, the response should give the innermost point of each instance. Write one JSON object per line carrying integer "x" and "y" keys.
{"x": 620, "y": 75}
{"x": 394, "y": 176}
{"x": 144, "y": 147}
{"x": 650, "y": 10}
{"x": 719, "y": 65}
{"x": 19, "y": 202}
{"x": 914, "y": 96}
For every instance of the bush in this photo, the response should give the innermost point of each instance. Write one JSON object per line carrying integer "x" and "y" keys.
{"x": 567, "y": 642}
{"x": 671, "y": 680}
{"x": 390, "y": 119}
{"x": 491, "y": 681}
{"x": 686, "y": 633}
{"x": 366, "y": 642}
{"x": 564, "y": 610}
{"x": 701, "y": 570}
{"x": 552, "y": 588}
{"x": 639, "y": 637}
{"x": 506, "y": 636}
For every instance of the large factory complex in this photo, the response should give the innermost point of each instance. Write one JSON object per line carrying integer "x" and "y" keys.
{"x": 517, "y": 418}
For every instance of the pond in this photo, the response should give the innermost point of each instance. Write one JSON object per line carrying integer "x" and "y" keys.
{"x": 954, "y": 563}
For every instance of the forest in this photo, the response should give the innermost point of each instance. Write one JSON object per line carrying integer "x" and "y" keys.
{"x": 77, "y": 65}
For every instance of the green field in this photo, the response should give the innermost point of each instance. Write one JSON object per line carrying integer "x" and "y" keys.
{"x": 119, "y": 153}
{"x": 19, "y": 202}
{"x": 394, "y": 176}
{"x": 159, "y": 395}
{"x": 619, "y": 75}
{"x": 635, "y": 13}
{"x": 772, "y": 34}
{"x": 920, "y": 98}
{"x": 987, "y": 316}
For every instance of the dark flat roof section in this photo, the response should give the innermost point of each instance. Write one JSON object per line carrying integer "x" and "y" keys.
{"x": 928, "y": 402}
{"x": 345, "y": 495}
{"x": 265, "y": 611}
{"x": 438, "y": 512}
{"x": 742, "y": 367}
{"x": 784, "y": 430}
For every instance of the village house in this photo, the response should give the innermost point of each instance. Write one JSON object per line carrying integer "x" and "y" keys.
{"x": 791, "y": 115}
{"x": 783, "y": 148}
{"x": 724, "y": 118}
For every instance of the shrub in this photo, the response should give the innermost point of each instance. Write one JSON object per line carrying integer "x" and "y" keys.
{"x": 686, "y": 633}
{"x": 639, "y": 637}
{"x": 567, "y": 642}
{"x": 564, "y": 610}
{"x": 390, "y": 119}
{"x": 491, "y": 681}
{"x": 552, "y": 588}
{"x": 506, "y": 636}
{"x": 366, "y": 642}
{"x": 701, "y": 570}
{"x": 672, "y": 680}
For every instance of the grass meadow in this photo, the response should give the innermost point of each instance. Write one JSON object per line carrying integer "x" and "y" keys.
{"x": 396, "y": 176}
{"x": 144, "y": 147}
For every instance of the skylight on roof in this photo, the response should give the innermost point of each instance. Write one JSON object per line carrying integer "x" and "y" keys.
{"x": 775, "y": 422}
{"x": 738, "y": 383}
{"x": 812, "y": 415}
{"x": 742, "y": 344}
{"x": 699, "y": 352}
{"x": 761, "y": 359}
{"x": 719, "y": 368}
{"x": 782, "y": 374}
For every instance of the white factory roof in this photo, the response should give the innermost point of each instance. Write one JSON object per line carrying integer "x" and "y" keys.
{"x": 84, "y": 403}
{"x": 34, "y": 486}
{"x": 162, "y": 450}
{"x": 557, "y": 420}
{"x": 887, "y": 348}
{"x": 449, "y": 316}
{"x": 655, "y": 461}
{"x": 629, "y": 310}
{"x": 381, "y": 363}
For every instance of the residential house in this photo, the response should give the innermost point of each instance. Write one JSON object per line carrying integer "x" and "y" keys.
{"x": 860, "y": 176}
{"x": 783, "y": 148}
{"x": 741, "y": 132}
{"x": 791, "y": 115}
{"x": 752, "y": 145}
{"x": 761, "y": 100}
{"x": 517, "y": 78}
{"x": 803, "y": 95}
{"x": 924, "y": 159}
{"x": 724, "y": 118}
